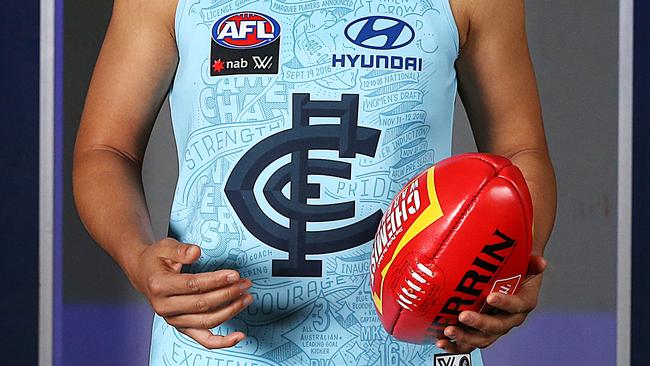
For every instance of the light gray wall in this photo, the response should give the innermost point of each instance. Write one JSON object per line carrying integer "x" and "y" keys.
{"x": 160, "y": 171}
{"x": 574, "y": 45}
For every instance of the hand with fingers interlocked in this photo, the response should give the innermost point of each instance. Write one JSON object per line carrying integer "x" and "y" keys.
{"x": 481, "y": 330}
{"x": 192, "y": 303}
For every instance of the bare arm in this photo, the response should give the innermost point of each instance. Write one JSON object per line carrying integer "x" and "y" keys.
{"x": 498, "y": 88}
{"x": 130, "y": 81}
{"x": 125, "y": 94}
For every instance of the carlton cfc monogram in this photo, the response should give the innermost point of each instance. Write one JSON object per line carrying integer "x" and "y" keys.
{"x": 349, "y": 139}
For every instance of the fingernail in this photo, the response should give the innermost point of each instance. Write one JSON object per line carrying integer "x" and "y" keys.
{"x": 248, "y": 300}
{"x": 232, "y": 278}
{"x": 450, "y": 333}
{"x": 245, "y": 285}
{"x": 187, "y": 249}
{"x": 494, "y": 299}
{"x": 465, "y": 318}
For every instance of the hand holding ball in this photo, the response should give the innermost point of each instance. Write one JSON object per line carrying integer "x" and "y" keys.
{"x": 454, "y": 234}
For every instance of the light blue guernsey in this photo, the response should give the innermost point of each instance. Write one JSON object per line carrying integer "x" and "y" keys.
{"x": 296, "y": 123}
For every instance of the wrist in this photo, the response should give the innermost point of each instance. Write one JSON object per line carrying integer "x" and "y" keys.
{"x": 129, "y": 259}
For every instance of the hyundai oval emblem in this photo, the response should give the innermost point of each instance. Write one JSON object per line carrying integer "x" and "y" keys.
{"x": 380, "y": 33}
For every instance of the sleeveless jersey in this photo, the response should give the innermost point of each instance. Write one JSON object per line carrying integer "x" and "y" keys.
{"x": 296, "y": 122}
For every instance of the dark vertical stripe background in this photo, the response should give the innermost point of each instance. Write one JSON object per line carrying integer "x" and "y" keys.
{"x": 641, "y": 187}
{"x": 19, "y": 181}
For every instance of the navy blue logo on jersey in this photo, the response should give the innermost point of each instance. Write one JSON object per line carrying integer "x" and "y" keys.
{"x": 380, "y": 33}
{"x": 245, "y": 43}
{"x": 349, "y": 140}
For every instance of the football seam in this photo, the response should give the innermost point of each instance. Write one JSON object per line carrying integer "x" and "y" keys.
{"x": 460, "y": 219}
{"x": 529, "y": 235}
{"x": 523, "y": 210}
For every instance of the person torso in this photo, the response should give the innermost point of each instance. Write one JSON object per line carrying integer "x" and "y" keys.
{"x": 296, "y": 122}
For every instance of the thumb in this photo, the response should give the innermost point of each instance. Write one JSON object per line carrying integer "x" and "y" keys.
{"x": 179, "y": 252}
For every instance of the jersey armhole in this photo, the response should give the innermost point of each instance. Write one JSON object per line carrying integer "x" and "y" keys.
{"x": 453, "y": 27}
{"x": 178, "y": 17}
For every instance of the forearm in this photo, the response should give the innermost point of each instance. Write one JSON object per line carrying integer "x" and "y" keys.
{"x": 110, "y": 200}
{"x": 537, "y": 169}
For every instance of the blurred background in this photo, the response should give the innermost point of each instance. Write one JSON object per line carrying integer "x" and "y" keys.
{"x": 92, "y": 316}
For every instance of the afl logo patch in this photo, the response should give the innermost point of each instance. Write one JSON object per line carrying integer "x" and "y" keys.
{"x": 380, "y": 32}
{"x": 245, "y": 30}
{"x": 245, "y": 43}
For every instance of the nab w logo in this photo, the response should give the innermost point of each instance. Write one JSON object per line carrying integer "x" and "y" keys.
{"x": 245, "y": 43}
{"x": 380, "y": 33}
{"x": 452, "y": 360}
{"x": 263, "y": 62}
{"x": 348, "y": 139}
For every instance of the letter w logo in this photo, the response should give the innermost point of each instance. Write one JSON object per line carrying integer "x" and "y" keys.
{"x": 263, "y": 63}
{"x": 452, "y": 360}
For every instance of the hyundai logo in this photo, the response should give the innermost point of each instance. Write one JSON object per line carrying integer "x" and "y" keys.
{"x": 379, "y": 33}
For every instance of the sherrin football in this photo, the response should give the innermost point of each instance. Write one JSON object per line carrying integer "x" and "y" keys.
{"x": 457, "y": 232}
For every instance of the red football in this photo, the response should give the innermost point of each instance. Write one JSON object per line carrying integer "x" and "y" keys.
{"x": 454, "y": 234}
